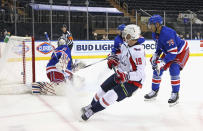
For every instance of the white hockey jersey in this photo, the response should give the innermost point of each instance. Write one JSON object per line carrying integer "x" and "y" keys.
{"x": 133, "y": 61}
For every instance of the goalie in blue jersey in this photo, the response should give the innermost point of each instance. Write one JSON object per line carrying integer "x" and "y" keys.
{"x": 59, "y": 70}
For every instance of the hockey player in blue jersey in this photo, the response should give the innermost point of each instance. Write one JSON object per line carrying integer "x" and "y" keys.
{"x": 58, "y": 70}
{"x": 119, "y": 40}
{"x": 175, "y": 55}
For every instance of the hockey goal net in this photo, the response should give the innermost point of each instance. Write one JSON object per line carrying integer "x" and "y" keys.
{"x": 17, "y": 61}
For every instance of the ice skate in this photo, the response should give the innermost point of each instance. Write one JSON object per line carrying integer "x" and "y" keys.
{"x": 173, "y": 100}
{"x": 87, "y": 114}
{"x": 151, "y": 96}
{"x": 84, "y": 109}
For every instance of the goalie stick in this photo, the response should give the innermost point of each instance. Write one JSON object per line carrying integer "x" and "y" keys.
{"x": 49, "y": 41}
{"x": 81, "y": 65}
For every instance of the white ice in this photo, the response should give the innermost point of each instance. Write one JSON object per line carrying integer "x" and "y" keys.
{"x": 26, "y": 112}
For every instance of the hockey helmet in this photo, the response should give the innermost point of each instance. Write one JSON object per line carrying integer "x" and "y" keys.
{"x": 131, "y": 32}
{"x": 121, "y": 27}
{"x": 61, "y": 41}
{"x": 155, "y": 19}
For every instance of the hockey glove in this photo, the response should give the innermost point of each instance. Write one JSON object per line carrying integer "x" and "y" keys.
{"x": 112, "y": 61}
{"x": 160, "y": 66}
{"x": 121, "y": 77}
{"x": 153, "y": 60}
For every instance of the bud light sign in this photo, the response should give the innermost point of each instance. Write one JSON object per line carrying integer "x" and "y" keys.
{"x": 45, "y": 48}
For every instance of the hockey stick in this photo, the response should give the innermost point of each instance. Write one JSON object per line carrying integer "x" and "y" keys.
{"x": 49, "y": 41}
{"x": 81, "y": 65}
{"x": 122, "y": 85}
{"x": 94, "y": 63}
{"x": 47, "y": 37}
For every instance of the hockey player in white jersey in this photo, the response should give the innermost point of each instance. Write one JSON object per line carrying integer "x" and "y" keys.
{"x": 128, "y": 77}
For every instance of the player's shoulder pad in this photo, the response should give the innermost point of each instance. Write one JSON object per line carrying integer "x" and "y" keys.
{"x": 63, "y": 48}
{"x": 118, "y": 38}
{"x": 141, "y": 40}
{"x": 168, "y": 32}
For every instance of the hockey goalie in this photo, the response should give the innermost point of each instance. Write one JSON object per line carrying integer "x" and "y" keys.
{"x": 59, "y": 71}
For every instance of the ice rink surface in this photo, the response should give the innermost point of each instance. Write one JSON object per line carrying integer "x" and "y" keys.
{"x": 26, "y": 112}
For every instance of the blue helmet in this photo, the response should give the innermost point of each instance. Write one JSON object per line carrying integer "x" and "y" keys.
{"x": 121, "y": 27}
{"x": 155, "y": 19}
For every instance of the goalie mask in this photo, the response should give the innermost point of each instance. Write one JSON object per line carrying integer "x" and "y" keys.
{"x": 62, "y": 41}
{"x": 131, "y": 32}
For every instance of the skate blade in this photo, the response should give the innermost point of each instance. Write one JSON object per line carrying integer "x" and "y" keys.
{"x": 173, "y": 104}
{"x": 150, "y": 100}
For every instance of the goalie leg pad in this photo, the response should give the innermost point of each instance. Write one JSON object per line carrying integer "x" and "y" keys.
{"x": 36, "y": 90}
{"x": 55, "y": 76}
{"x": 48, "y": 88}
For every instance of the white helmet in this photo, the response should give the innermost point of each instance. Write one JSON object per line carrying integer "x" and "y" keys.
{"x": 61, "y": 41}
{"x": 132, "y": 30}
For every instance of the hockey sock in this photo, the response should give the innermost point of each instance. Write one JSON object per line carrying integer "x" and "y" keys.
{"x": 175, "y": 83}
{"x": 97, "y": 96}
{"x": 156, "y": 80}
{"x": 97, "y": 107}
{"x": 109, "y": 98}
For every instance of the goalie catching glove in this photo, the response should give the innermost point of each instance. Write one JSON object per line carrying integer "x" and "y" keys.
{"x": 112, "y": 61}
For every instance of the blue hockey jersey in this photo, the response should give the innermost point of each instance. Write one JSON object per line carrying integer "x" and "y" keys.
{"x": 168, "y": 43}
{"x": 118, "y": 41}
{"x": 61, "y": 54}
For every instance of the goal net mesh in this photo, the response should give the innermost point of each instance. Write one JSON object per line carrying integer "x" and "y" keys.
{"x": 16, "y": 62}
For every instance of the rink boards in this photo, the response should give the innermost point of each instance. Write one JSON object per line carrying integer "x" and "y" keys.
{"x": 97, "y": 49}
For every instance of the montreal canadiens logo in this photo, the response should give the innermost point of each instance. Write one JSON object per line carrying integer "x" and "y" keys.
{"x": 19, "y": 49}
{"x": 45, "y": 48}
